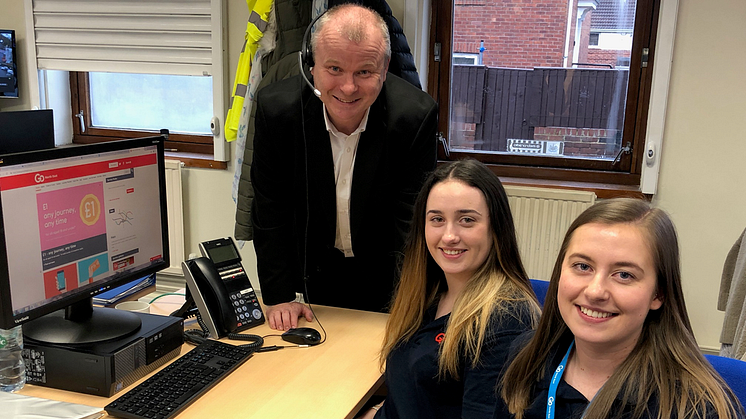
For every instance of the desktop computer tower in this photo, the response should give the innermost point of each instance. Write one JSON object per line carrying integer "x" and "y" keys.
{"x": 105, "y": 368}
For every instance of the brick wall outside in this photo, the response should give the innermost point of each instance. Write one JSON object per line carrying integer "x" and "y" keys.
{"x": 581, "y": 142}
{"x": 523, "y": 34}
{"x": 516, "y": 33}
{"x": 578, "y": 142}
{"x": 606, "y": 56}
{"x": 463, "y": 135}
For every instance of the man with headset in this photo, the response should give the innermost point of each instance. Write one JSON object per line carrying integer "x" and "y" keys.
{"x": 337, "y": 166}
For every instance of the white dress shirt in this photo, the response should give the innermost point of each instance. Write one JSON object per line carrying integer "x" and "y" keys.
{"x": 344, "y": 150}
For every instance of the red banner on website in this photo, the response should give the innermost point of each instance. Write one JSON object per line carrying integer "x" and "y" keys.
{"x": 57, "y": 175}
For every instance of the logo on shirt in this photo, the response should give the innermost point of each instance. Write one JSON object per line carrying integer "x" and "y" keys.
{"x": 439, "y": 337}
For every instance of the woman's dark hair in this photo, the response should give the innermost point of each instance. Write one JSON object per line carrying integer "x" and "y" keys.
{"x": 500, "y": 279}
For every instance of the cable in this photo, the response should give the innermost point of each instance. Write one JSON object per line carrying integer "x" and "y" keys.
{"x": 316, "y": 92}
{"x": 308, "y": 200}
{"x": 323, "y": 339}
{"x": 308, "y": 205}
{"x": 256, "y": 340}
{"x": 195, "y": 337}
{"x": 277, "y": 348}
{"x": 165, "y": 294}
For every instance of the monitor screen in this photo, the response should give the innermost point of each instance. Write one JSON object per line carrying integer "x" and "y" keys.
{"x": 26, "y": 130}
{"x": 8, "y": 67}
{"x": 77, "y": 221}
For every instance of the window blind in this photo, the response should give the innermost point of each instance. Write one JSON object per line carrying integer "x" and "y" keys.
{"x": 127, "y": 36}
{"x": 176, "y": 37}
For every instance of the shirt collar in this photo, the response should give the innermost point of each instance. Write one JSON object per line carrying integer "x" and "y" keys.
{"x": 331, "y": 128}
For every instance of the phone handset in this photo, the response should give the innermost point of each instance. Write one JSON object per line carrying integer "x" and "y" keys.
{"x": 221, "y": 289}
{"x": 211, "y": 296}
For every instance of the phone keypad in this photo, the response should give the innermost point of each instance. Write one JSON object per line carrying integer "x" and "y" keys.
{"x": 245, "y": 303}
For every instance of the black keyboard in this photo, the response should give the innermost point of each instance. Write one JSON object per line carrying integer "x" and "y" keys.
{"x": 175, "y": 387}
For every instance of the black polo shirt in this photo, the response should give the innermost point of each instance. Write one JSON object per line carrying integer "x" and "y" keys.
{"x": 570, "y": 403}
{"x": 415, "y": 391}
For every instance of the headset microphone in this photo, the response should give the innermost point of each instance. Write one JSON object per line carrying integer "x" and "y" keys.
{"x": 303, "y": 74}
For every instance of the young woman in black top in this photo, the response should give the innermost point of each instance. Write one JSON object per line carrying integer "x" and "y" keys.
{"x": 462, "y": 298}
{"x": 614, "y": 340}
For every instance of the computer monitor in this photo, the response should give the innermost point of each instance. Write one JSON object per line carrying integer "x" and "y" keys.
{"x": 74, "y": 222}
{"x": 26, "y": 130}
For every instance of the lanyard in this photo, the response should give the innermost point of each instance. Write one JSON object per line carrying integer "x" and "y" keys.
{"x": 555, "y": 382}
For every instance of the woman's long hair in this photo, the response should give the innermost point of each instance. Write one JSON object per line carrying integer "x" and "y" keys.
{"x": 500, "y": 280}
{"x": 665, "y": 364}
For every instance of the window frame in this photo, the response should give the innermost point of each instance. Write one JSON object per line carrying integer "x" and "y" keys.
{"x": 625, "y": 176}
{"x": 597, "y": 35}
{"x": 467, "y": 55}
{"x": 196, "y": 150}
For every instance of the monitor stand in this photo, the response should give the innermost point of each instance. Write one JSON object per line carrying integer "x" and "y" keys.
{"x": 81, "y": 323}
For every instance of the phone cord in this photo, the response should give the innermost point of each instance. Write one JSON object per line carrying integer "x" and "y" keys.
{"x": 198, "y": 336}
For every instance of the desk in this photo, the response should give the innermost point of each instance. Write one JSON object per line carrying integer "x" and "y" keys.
{"x": 332, "y": 380}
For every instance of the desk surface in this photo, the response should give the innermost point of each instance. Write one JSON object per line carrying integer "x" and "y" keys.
{"x": 332, "y": 380}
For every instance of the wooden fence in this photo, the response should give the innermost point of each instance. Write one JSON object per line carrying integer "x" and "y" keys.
{"x": 504, "y": 103}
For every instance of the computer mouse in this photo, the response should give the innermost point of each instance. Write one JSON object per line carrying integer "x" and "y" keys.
{"x": 302, "y": 336}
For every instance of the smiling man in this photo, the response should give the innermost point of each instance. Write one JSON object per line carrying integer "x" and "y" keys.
{"x": 335, "y": 176}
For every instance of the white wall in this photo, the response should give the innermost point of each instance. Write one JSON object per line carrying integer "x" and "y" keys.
{"x": 701, "y": 180}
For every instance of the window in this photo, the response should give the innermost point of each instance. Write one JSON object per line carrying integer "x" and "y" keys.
{"x": 143, "y": 59}
{"x": 544, "y": 105}
{"x": 593, "y": 40}
{"x": 461, "y": 58}
{"x": 622, "y": 62}
{"x": 110, "y": 106}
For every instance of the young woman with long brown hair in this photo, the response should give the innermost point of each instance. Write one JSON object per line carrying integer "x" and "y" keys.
{"x": 614, "y": 340}
{"x": 462, "y": 298}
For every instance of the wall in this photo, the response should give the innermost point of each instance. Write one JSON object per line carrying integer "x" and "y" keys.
{"x": 702, "y": 178}
{"x": 536, "y": 36}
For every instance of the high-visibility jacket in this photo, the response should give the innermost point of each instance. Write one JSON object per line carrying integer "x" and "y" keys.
{"x": 255, "y": 27}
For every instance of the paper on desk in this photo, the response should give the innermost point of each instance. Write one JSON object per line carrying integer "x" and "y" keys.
{"x": 17, "y": 406}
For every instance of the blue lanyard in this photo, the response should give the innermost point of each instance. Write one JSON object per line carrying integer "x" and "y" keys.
{"x": 555, "y": 382}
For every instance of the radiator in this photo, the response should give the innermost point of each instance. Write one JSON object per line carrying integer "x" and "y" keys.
{"x": 541, "y": 218}
{"x": 175, "y": 206}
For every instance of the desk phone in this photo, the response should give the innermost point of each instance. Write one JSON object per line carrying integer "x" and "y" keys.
{"x": 221, "y": 289}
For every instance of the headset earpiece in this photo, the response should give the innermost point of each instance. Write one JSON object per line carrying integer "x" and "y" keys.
{"x": 316, "y": 91}
{"x": 306, "y": 54}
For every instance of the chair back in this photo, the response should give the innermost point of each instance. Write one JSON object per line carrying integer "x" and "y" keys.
{"x": 733, "y": 372}
{"x": 540, "y": 289}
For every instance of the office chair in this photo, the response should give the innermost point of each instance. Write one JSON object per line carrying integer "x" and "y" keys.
{"x": 540, "y": 289}
{"x": 733, "y": 372}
